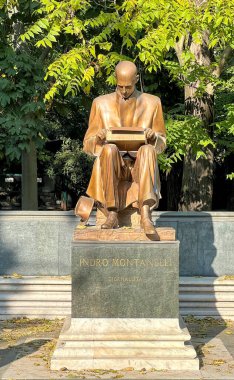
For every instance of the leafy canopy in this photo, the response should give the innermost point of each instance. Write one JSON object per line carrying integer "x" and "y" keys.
{"x": 148, "y": 30}
{"x": 86, "y": 40}
{"x": 22, "y": 87}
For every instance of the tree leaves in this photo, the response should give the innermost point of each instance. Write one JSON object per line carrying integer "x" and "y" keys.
{"x": 85, "y": 40}
{"x": 182, "y": 132}
{"x": 21, "y": 96}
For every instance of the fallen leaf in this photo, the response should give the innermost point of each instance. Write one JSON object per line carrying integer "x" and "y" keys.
{"x": 63, "y": 369}
{"x": 218, "y": 362}
{"x": 227, "y": 277}
{"x": 16, "y": 275}
{"x": 81, "y": 227}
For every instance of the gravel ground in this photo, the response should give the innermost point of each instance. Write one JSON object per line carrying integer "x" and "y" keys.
{"x": 26, "y": 346}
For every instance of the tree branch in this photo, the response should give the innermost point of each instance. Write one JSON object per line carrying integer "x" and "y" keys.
{"x": 223, "y": 60}
{"x": 179, "y": 49}
{"x": 44, "y": 53}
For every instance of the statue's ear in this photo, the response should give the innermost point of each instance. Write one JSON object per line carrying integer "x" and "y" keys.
{"x": 137, "y": 78}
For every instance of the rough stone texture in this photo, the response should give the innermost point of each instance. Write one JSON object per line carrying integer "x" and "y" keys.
{"x": 38, "y": 243}
{"x": 125, "y": 280}
{"x": 206, "y": 247}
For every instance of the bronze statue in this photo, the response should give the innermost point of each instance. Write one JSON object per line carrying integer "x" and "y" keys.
{"x": 122, "y": 175}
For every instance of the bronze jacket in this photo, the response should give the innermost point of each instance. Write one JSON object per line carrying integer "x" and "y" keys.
{"x": 140, "y": 110}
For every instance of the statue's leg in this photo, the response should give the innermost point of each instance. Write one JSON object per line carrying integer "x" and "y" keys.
{"x": 112, "y": 167}
{"x": 144, "y": 173}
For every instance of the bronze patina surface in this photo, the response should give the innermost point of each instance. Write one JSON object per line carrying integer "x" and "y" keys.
{"x": 126, "y": 132}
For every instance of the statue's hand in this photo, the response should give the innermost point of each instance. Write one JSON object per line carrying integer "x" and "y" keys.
{"x": 101, "y": 135}
{"x": 149, "y": 134}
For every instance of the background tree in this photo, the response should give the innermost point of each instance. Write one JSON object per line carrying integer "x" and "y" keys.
{"x": 22, "y": 89}
{"x": 29, "y": 128}
{"x": 187, "y": 42}
{"x": 201, "y": 35}
{"x": 198, "y": 32}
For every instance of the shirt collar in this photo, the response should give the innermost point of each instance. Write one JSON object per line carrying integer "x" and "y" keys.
{"x": 134, "y": 95}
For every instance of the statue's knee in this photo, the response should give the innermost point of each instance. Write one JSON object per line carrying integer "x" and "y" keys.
{"x": 109, "y": 149}
{"x": 147, "y": 149}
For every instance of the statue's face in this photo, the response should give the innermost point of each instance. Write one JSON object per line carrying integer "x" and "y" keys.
{"x": 126, "y": 85}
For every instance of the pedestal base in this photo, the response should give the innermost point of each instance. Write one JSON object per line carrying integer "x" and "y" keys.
{"x": 117, "y": 343}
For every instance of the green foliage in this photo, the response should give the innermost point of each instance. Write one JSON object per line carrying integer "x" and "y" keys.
{"x": 148, "y": 30}
{"x": 67, "y": 117}
{"x": 74, "y": 165}
{"x": 84, "y": 42}
{"x": 71, "y": 70}
{"x": 224, "y": 122}
{"x": 21, "y": 102}
{"x": 230, "y": 176}
{"x": 22, "y": 87}
{"x": 183, "y": 131}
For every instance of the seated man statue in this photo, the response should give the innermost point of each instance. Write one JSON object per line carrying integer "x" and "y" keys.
{"x": 123, "y": 178}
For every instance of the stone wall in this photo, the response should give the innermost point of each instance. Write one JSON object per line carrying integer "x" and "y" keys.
{"x": 38, "y": 243}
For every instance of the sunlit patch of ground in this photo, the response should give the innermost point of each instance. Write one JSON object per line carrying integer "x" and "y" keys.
{"x": 26, "y": 347}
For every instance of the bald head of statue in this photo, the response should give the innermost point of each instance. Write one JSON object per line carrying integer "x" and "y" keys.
{"x": 126, "y": 76}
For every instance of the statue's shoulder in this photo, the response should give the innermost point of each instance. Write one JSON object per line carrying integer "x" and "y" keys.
{"x": 153, "y": 99}
{"x": 102, "y": 99}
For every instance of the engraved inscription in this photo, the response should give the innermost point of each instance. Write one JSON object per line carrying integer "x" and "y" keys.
{"x": 125, "y": 280}
{"x": 134, "y": 279}
{"x": 147, "y": 263}
{"x": 135, "y": 263}
{"x": 94, "y": 262}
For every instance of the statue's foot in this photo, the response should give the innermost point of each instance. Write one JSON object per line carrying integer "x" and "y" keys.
{"x": 111, "y": 221}
{"x": 148, "y": 226}
{"x": 146, "y": 222}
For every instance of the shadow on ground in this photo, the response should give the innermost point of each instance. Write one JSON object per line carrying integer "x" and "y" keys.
{"x": 10, "y": 354}
{"x": 213, "y": 340}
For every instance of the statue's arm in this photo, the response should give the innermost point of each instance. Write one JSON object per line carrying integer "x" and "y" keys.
{"x": 92, "y": 144}
{"x": 158, "y": 127}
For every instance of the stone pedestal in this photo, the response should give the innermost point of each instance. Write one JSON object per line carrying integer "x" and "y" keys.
{"x": 104, "y": 343}
{"x": 125, "y": 309}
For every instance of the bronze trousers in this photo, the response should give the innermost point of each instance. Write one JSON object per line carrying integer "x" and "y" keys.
{"x": 117, "y": 182}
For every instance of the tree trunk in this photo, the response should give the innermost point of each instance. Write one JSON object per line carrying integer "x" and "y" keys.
{"x": 29, "y": 179}
{"x": 197, "y": 181}
{"x": 174, "y": 179}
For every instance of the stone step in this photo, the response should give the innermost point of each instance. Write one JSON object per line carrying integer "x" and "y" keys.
{"x": 37, "y": 296}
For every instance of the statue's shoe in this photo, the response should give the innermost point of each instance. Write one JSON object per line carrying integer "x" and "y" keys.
{"x": 146, "y": 222}
{"x": 111, "y": 221}
{"x": 148, "y": 226}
